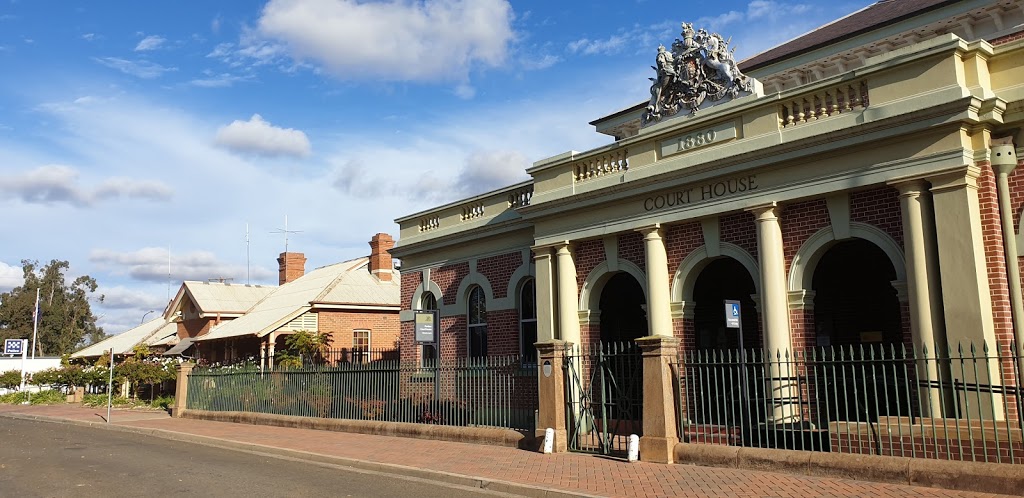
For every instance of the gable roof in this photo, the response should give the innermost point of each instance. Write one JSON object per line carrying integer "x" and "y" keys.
{"x": 872, "y": 17}
{"x": 124, "y": 342}
{"x": 345, "y": 283}
{"x": 217, "y": 298}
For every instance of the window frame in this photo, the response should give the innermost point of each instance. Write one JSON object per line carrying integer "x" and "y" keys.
{"x": 424, "y": 305}
{"x": 363, "y": 354}
{"x": 532, "y": 359}
{"x": 473, "y": 307}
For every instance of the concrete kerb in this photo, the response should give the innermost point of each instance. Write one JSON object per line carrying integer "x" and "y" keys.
{"x": 477, "y": 435}
{"x": 961, "y": 476}
{"x": 384, "y": 468}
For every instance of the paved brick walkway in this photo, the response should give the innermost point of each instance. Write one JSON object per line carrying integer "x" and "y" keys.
{"x": 575, "y": 473}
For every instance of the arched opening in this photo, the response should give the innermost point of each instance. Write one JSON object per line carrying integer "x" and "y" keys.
{"x": 623, "y": 309}
{"x": 857, "y": 322}
{"x": 854, "y": 301}
{"x": 724, "y": 377}
{"x": 724, "y": 279}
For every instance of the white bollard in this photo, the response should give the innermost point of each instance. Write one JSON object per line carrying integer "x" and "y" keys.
{"x": 549, "y": 440}
{"x": 633, "y": 448}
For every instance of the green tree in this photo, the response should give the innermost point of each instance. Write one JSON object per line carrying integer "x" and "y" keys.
{"x": 10, "y": 379}
{"x": 312, "y": 346}
{"x": 66, "y": 319}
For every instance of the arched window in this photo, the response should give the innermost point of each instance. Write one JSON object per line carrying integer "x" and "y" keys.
{"x": 477, "y": 323}
{"x": 428, "y": 353}
{"x": 528, "y": 322}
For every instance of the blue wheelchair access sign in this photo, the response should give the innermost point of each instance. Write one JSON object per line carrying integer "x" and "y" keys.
{"x": 732, "y": 314}
{"x": 14, "y": 346}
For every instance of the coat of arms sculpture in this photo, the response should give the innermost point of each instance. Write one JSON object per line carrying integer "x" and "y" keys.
{"x": 699, "y": 68}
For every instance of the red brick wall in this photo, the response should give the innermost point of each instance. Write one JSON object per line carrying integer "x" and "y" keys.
{"x": 631, "y": 248}
{"x": 383, "y": 326}
{"x": 194, "y": 327}
{"x": 1008, "y": 38}
{"x": 453, "y": 337}
{"x": 879, "y": 207}
{"x": 410, "y": 281}
{"x": 589, "y": 254}
{"x": 995, "y": 262}
{"x": 498, "y": 270}
{"x": 448, "y": 278}
{"x": 739, "y": 229}
{"x": 799, "y": 221}
{"x": 680, "y": 241}
{"x": 503, "y": 333}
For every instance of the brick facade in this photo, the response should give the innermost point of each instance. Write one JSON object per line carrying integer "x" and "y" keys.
{"x": 588, "y": 254}
{"x": 739, "y": 229}
{"x": 448, "y": 278}
{"x": 383, "y": 327}
{"x": 498, "y": 271}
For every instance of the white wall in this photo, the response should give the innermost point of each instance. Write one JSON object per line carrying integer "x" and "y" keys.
{"x": 31, "y": 366}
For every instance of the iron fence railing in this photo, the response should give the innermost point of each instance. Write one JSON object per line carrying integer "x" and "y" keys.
{"x": 492, "y": 391}
{"x": 964, "y": 403}
{"x": 604, "y": 396}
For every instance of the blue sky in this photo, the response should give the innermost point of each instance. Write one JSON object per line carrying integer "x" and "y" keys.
{"x": 127, "y": 128}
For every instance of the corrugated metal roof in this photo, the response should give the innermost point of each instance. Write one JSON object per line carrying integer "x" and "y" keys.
{"x": 124, "y": 342}
{"x": 218, "y": 297}
{"x": 348, "y": 281}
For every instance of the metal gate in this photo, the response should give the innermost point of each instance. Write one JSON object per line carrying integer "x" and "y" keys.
{"x": 604, "y": 396}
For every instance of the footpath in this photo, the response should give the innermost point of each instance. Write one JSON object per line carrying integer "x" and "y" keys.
{"x": 494, "y": 468}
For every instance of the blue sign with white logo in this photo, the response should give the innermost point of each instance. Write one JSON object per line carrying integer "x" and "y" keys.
{"x": 14, "y": 346}
{"x": 732, "y": 314}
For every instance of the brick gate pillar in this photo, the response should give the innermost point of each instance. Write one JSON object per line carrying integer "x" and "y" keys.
{"x": 181, "y": 388}
{"x": 551, "y": 392}
{"x": 660, "y": 429}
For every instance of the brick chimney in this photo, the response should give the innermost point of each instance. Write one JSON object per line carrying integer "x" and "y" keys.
{"x": 290, "y": 266}
{"x": 380, "y": 258}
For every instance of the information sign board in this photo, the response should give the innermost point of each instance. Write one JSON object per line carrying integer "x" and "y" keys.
{"x": 425, "y": 326}
{"x": 732, "y": 314}
{"x": 14, "y": 346}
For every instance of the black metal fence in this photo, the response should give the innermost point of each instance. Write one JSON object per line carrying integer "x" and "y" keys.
{"x": 964, "y": 403}
{"x": 604, "y": 396}
{"x": 492, "y": 391}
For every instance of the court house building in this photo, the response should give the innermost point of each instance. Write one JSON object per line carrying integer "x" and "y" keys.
{"x": 855, "y": 187}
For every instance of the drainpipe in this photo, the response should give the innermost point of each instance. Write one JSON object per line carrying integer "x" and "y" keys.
{"x": 1004, "y": 161}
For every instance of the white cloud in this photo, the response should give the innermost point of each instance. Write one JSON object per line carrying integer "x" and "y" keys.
{"x": 393, "y": 40}
{"x": 151, "y": 42}
{"x": 611, "y": 45}
{"x": 120, "y": 297}
{"x": 489, "y": 170}
{"x": 260, "y": 137}
{"x": 139, "y": 69}
{"x": 151, "y": 264}
{"x": 54, "y": 184}
{"x": 10, "y": 277}
{"x": 222, "y": 80}
{"x": 89, "y": 36}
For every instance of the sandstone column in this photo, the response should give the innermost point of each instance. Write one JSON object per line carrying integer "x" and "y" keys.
{"x": 775, "y": 312}
{"x": 659, "y": 312}
{"x": 568, "y": 296}
{"x": 545, "y": 286}
{"x": 659, "y": 410}
{"x": 966, "y": 297}
{"x": 181, "y": 389}
{"x": 919, "y": 289}
{"x": 551, "y": 391}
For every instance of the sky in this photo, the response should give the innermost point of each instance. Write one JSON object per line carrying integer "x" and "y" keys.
{"x": 141, "y": 136}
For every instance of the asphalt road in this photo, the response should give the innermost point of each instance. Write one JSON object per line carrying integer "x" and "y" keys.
{"x": 48, "y": 459}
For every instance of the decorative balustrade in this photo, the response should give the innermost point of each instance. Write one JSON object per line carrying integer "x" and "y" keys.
{"x": 471, "y": 211}
{"x": 429, "y": 223}
{"x": 521, "y": 197}
{"x": 593, "y": 167}
{"x": 823, "y": 103}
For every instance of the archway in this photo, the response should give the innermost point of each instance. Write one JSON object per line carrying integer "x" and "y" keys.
{"x": 623, "y": 309}
{"x": 857, "y": 322}
{"x": 855, "y": 303}
{"x": 722, "y": 279}
{"x": 723, "y": 378}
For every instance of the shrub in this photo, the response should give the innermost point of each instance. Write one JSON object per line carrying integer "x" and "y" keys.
{"x": 41, "y": 398}
{"x": 10, "y": 379}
